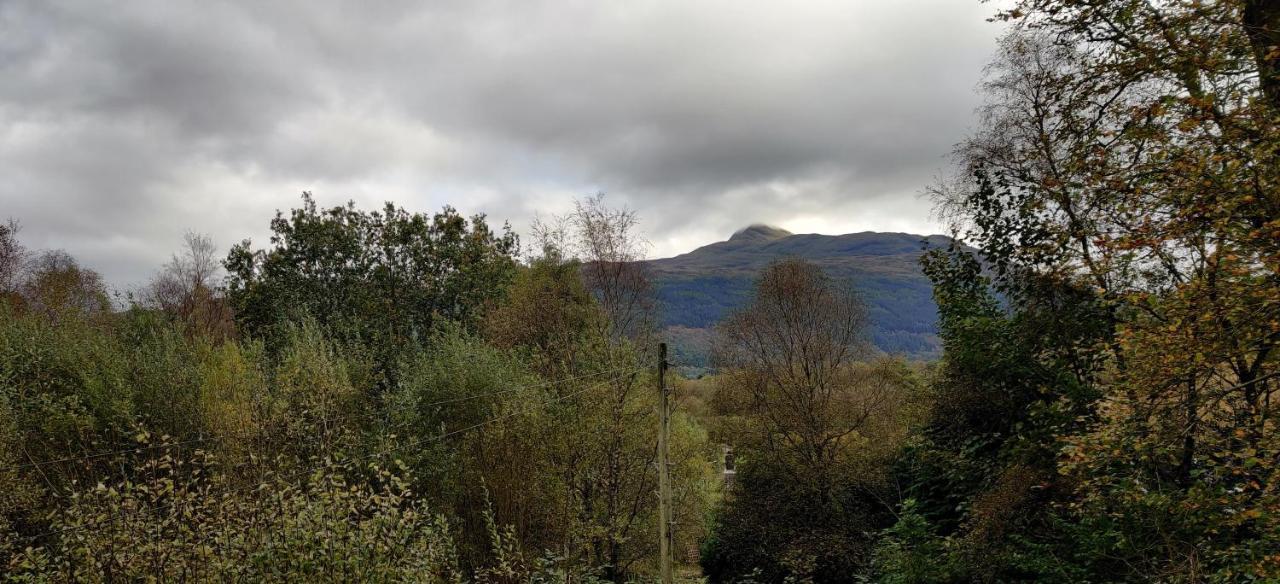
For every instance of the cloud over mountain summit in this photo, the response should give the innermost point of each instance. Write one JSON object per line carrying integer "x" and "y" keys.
{"x": 122, "y": 127}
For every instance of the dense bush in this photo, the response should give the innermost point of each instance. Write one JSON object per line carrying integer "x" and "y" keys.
{"x": 179, "y": 521}
{"x": 477, "y": 421}
{"x": 373, "y": 281}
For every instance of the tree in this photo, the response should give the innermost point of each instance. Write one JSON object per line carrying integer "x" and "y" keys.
{"x": 380, "y": 278}
{"x": 186, "y": 290}
{"x": 610, "y": 252}
{"x": 12, "y": 257}
{"x": 613, "y": 266}
{"x": 812, "y": 422}
{"x": 58, "y": 287}
{"x": 506, "y": 400}
{"x": 791, "y": 349}
{"x": 612, "y": 474}
{"x": 977, "y": 485}
{"x": 1127, "y": 167}
{"x": 1138, "y": 141}
{"x": 549, "y": 314}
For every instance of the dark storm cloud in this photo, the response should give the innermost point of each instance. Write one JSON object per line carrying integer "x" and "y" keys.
{"x": 123, "y": 125}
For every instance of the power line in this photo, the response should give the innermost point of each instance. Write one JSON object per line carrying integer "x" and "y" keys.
{"x": 505, "y": 391}
{"x": 105, "y": 454}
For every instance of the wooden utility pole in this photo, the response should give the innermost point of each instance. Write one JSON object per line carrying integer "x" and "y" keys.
{"x": 664, "y": 469}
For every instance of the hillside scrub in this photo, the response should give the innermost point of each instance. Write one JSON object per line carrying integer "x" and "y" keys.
{"x": 499, "y": 428}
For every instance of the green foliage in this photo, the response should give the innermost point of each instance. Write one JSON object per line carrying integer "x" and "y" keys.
{"x": 234, "y": 397}
{"x": 374, "y": 280}
{"x": 779, "y": 525}
{"x": 561, "y": 462}
{"x": 388, "y": 364}
{"x": 67, "y": 382}
{"x": 981, "y": 476}
{"x": 163, "y": 368}
{"x": 910, "y": 552}
{"x": 17, "y": 497}
{"x": 459, "y": 382}
{"x": 812, "y": 428}
{"x": 1124, "y": 202}
{"x": 313, "y": 401}
{"x": 548, "y": 316}
{"x": 182, "y": 523}
{"x": 1104, "y": 420}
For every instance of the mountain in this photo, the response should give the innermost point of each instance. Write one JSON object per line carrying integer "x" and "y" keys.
{"x": 695, "y": 290}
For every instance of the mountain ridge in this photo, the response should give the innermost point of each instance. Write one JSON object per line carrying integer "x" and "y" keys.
{"x": 698, "y": 288}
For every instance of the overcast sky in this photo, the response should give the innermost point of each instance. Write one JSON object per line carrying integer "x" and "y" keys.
{"x": 125, "y": 124}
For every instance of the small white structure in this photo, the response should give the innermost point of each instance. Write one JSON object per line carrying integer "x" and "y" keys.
{"x": 729, "y": 472}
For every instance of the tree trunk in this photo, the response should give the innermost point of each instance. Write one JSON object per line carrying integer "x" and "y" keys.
{"x": 1189, "y": 439}
{"x": 1262, "y": 24}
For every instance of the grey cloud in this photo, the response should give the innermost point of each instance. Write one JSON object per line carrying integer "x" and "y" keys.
{"x": 123, "y": 126}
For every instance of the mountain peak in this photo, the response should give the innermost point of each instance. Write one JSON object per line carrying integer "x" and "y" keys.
{"x": 759, "y": 232}
{"x": 698, "y": 289}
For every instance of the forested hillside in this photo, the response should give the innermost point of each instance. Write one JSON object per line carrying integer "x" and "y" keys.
{"x": 698, "y": 289}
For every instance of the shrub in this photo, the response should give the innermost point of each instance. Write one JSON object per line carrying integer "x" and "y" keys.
{"x": 183, "y": 523}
